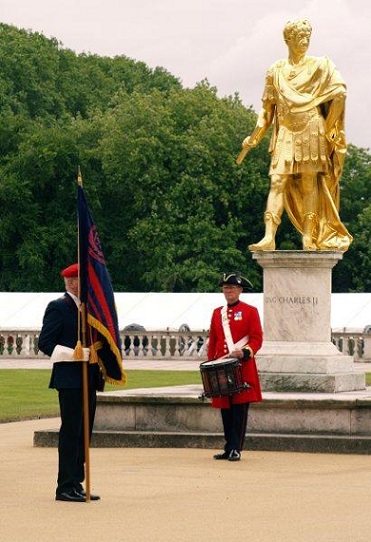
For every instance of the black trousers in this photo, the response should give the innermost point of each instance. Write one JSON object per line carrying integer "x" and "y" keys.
{"x": 71, "y": 472}
{"x": 234, "y": 425}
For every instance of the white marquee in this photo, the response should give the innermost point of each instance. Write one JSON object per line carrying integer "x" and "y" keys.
{"x": 161, "y": 311}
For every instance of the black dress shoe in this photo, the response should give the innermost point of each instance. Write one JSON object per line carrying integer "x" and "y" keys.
{"x": 234, "y": 456}
{"x": 224, "y": 455}
{"x": 82, "y": 492}
{"x": 70, "y": 496}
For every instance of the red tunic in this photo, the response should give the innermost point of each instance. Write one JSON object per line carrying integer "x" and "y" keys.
{"x": 243, "y": 320}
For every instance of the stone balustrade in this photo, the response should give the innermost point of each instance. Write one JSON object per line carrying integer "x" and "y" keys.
{"x": 158, "y": 344}
{"x": 168, "y": 344}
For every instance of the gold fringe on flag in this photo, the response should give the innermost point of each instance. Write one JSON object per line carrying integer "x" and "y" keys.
{"x": 96, "y": 324}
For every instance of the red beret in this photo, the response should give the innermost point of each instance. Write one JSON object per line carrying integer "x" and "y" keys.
{"x": 71, "y": 271}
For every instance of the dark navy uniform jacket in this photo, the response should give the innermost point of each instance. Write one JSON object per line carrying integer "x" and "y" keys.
{"x": 60, "y": 326}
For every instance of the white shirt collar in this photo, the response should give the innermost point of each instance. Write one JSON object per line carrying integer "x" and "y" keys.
{"x": 76, "y": 299}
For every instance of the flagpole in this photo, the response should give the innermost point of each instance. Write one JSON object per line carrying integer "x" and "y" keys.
{"x": 84, "y": 375}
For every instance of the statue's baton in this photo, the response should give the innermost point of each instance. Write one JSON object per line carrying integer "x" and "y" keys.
{"x": 242, "y": 155}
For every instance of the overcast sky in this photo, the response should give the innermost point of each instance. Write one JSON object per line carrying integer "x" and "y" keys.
{"x": 229, "y": 42}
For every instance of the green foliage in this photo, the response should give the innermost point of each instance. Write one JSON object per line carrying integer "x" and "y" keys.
{"x": 352, "y": 274}
{"x": 171, "y": 162}
{"x": 39, "y": 78}
{"x": 172, "y": 208}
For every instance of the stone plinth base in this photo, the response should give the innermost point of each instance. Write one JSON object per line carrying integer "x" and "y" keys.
{"x": 303, "y": 367}
{"x": 320, "y": 383}
{"x": 367, "y": 349}
{"x": 175, "y": 417}
{"x": 297, "y": 353}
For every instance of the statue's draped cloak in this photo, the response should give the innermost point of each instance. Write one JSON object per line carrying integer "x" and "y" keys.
{"x": 299, "y": 144}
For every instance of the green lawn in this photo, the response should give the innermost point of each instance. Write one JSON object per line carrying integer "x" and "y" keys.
{"x": 24, "y": 393}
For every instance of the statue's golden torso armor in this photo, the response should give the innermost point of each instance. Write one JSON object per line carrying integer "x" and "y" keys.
{"x": 300, "y": 143}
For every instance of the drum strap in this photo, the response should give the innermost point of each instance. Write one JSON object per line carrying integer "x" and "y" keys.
{"x": 228, "y": 335}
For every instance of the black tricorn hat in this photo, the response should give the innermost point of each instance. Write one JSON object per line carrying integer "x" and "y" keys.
{"x": 235, "y": 279}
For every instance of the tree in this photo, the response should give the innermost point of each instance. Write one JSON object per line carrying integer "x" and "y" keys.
{"x": 352, "y": 273}
{"x": 181, "y": 203}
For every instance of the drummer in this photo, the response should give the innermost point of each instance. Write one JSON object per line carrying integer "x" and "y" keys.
{"x": 236, "y": 332}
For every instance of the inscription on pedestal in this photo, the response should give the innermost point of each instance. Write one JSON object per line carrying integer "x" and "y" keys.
{"x": 292, "y": 300}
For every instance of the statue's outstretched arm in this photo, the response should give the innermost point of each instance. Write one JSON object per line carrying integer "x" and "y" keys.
{"x": 265, "y": 119}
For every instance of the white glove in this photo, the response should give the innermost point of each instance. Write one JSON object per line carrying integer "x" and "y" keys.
{"x": 86, "y": 352}
{"x": 64, "y": 353}
{"x": 61, "y": 353}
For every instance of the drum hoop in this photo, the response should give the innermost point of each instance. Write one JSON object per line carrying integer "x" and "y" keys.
{"x": 220, "y": 363}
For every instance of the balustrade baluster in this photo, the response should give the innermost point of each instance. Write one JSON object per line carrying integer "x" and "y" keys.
{"x": 36, "y": 344}
{"x": 346, "y": 346}
{"x": 165, "y": 348}
{"x": 154, "y": 345}
{"x": 18, "y": 343}
{"x": 10, "y": 344}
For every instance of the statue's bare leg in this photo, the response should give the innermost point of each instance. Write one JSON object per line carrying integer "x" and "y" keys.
{"x": 310, "y": 200}
{"x": 272, "y": 215}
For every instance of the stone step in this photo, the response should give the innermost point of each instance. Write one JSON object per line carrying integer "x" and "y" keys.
{"x": 178, "y": 410}
{"x": 254, "y": 441}
{"x": 175, "y": 418}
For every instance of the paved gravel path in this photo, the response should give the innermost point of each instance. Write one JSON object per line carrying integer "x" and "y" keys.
{"x": 183, "y": 495}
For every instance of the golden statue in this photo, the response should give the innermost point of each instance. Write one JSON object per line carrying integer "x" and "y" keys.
{"x": 304, "y": 101}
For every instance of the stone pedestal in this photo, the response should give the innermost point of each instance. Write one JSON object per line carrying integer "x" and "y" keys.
{"x": 367, "y": 348}
{"x": 297, "y": 353}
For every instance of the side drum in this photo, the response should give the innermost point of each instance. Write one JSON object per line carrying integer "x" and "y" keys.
{"x": 222, "y": 377}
